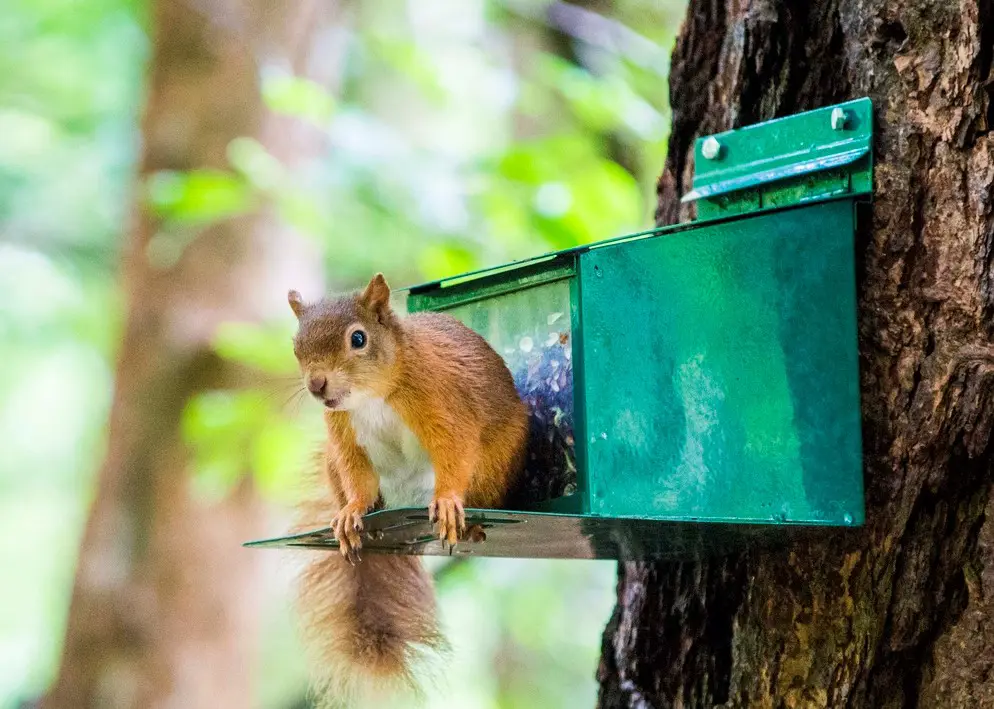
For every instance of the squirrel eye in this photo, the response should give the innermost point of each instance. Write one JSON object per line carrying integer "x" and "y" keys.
{"x": 358, "y": 340}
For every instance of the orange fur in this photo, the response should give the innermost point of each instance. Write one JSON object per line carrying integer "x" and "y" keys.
{"x": 431, "y": 376}
{"x": 466, "y": 411}
{"x": 351, "y": 474}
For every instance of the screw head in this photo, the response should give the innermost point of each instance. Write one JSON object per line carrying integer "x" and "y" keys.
{"x": 839, "y": 118}
{"x": 711, "y": 148}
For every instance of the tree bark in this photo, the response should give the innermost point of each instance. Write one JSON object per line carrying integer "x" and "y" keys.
{"x": 165, "y": 602}
{"x": 899, "y": 613}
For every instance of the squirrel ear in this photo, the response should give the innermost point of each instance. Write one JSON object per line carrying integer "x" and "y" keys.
{"x": 296, "y": 303}
{"x": 376, "y": 297}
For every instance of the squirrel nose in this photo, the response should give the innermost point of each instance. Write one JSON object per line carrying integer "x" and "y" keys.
{"x": 316, "y": 383}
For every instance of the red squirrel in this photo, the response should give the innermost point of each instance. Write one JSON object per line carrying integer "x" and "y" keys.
{"x": 420, "y": 412}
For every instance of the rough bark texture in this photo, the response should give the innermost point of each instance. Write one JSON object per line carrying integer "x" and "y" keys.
{"x": 901, "y": 612}
{"x": 164, "y": 606}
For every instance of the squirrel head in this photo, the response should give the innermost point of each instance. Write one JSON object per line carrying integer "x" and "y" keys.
{"x": 347, "y": 346}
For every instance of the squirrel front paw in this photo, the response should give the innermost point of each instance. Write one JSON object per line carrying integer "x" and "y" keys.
{"x": 347, "y": 526}
{"x": 447, "y": 510}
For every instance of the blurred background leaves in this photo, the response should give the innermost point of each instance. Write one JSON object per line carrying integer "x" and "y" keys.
{"x": 459, "y": 134}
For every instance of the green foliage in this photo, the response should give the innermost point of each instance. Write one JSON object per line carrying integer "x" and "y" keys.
{"x": 568, "y": 191}
{"x": 250, "y": 158}
{"x": 407, "y": 59}
{"x": 248, "y": 432}
{"x": 263, "y": 348}
{"x": 600, "y": 104}
{"x": 233, "y": 433}
{"x": 197, "y": 197}
{"x": 444, "y": 259}
{"x": 70, "y": 79}
{"x": 424, "y": 154}
{"x": 297, "y": 97}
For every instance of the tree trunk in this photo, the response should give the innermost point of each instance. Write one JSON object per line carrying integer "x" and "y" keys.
{"x": 165, "y": 603}
{"x": 899, "y": 613}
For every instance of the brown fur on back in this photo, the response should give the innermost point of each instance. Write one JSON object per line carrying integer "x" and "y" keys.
{"x": 451, "y": 377}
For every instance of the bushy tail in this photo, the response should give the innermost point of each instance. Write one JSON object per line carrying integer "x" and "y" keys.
{"x": 371, "y": 628}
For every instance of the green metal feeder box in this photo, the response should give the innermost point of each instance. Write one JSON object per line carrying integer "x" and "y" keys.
{"x": 693, "y": 386}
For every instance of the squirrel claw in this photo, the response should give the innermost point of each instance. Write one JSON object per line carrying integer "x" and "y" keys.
{"x": 447, "y": 511}
{"x": 350, "y": 552}
{"x": 347, "y": 526}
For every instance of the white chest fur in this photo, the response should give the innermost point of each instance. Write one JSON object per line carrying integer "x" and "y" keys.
{"x": 407, "y": 478}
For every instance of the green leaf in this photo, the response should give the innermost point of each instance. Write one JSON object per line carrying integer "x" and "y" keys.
{"x": 279, "y": 459}
{"x": 219, "y": 427}
{"x": 603, "y": 103}
{"x": 605, "y": 201}
{"x": 591, "y": 98}
{"x": 446, "y": 259}
{"x": 298, "y": 97}
{"x": 198, "y": 196}
{"x": 258, "y": 165}
{"x": 573, "y": 194}
{"x": 235, "y": 433}
{"x": 412, "y": 61}
{"x": 548, "y": 159}
{"x": 265, "y": 348}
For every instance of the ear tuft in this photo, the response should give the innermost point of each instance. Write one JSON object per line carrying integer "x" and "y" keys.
{"x": 296, "y": 303}
{"x": 376, "y": 297}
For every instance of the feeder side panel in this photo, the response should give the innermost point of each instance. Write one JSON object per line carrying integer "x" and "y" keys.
{"x": 721, "y": 372}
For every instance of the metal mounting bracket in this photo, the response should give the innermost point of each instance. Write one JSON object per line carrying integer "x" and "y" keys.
{"x": 801, "y": 158}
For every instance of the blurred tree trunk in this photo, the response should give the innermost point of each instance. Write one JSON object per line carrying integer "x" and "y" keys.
{"x": 165, "y": 603}
{"x": 901, "y": 612}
